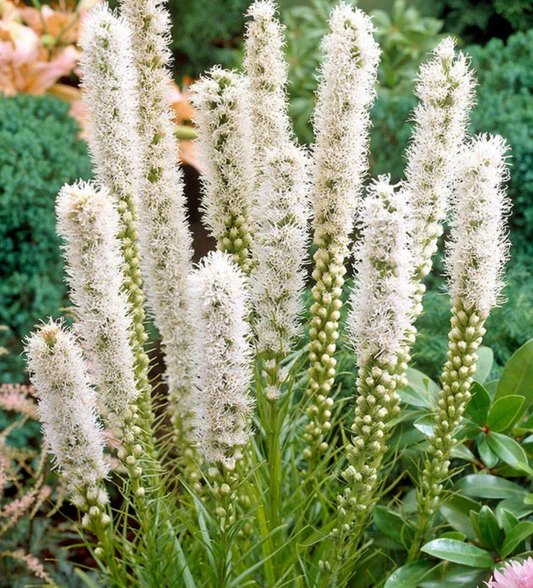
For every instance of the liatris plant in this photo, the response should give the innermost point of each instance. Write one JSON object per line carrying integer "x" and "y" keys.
{"x": 271, "y": 470}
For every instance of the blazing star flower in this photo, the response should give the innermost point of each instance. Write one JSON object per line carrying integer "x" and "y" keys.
{"x": 514, "y": 575}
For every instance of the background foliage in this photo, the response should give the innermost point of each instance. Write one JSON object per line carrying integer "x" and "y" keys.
{"x": 40, "y": 152}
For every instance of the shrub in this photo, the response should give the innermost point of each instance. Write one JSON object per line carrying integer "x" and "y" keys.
{"x": 40, "y": 152}
{"x": 480, "y": 20}
{"x": 207, "y": 32}
{"x": 505, "y": 105}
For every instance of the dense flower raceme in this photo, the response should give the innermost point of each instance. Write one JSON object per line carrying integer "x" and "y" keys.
{"x": 380, "y": 316}
{"x": 479, "y": 246}
{"x": 89, "y": 224}
{"x": 223, "y": 359}
{"x": 342, "y": 122}
{"x": 110, "y": 89}
{"x": 445, "y": 90}
{"x": 475, "y": 259}
{"x": 267, "y": 70}
{"x": 67, "y": 406}
{"x": 513, "y": 574}
{"x": 165, "y": 238}
{"x": 281, "y": 247}
{"x": 221, "y": 99}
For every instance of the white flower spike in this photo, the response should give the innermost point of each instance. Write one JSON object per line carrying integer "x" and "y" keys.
{"x": 223, "y": 360}
{"x": 67, "y": 406}
{"x": 89, "y": 224}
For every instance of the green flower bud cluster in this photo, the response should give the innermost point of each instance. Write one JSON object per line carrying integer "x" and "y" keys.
{"x": 465, "y": 337}
{"x": 329, "y": 278}
{"x": 128, "y": 237}
{"x": 236, "y": 241}
{"x": 92, "y": 502}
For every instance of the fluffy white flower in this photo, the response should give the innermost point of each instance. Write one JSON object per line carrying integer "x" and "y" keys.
{"x": 89, "y": 223}
{"x": 446, "y": 91}
{"x": 265, "y": 64}
{"x": 165, "y": 238}
{"x": 223, "y": 359}
{"x": 281, "y": 248}
{"x": 381, "y": 301}
{"x": 226, "y": 154}
{"x": 342, "y": 122}
{"x": 479, "y": 244}
{"x": 109, "y": 84}
{"x": 67, "y": 406}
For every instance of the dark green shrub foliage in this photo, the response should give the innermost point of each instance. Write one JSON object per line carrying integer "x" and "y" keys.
{"x": 505, "y": 106}
{"x": 477, "y": 21}
{"x": 39, "y": 152}
{"x": 205, "y": 32}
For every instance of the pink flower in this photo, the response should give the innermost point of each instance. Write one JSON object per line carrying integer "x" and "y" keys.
{"x": 513, "y": 575}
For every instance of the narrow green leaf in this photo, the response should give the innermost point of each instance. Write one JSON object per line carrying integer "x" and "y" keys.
{"x": 518, "y": 534}
{"x": 477, "y": 409}
{"x": 488, "y": 486}
{"x": 408, "y": 576}
{"x": 459, "y": 552}
{"x": 489, "y": 529}
{"x": 504, "y": 412}
{"x": 484, "y": 364}
{"x": 509, "y": 451}
{"x": 393, "y": 526}
{"x": 517, "y": 377}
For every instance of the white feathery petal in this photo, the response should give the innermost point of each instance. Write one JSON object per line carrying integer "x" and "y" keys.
{"x": 342, "y": 122}
{"x": 381, "y": 301}
{"x": 281, "y": 248}
{"x": 164, "y": 236}
{"x": 109, "y": 82}
{"x": 267, "y": 70}
{"x": 226, "y": 155}
{"x": 223, "y": 359}
{"x": 446, "y": 91}
{"x": 479, "y": 244}
{"x": 89, "y": 224}
{"x": 67, "y": 406}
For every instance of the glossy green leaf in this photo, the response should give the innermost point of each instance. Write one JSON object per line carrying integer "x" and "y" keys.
{"x": 477, "y": 409}
{"x": 504, "y": 413}
{"x": 393, "y": 526}
{"x": 457, "y": 511}
{"x": 488, "y": 457}
{"x": 508, "y": 522}
{"x": 484, "y": 364}
{"x": 408, "y": 576}
{"x": 459, "y": 552}
{"x": 518, "y": 534}
{"x": 509, "y": 451}
{"x": 517, "y": 377}
{"x": 421, "y": 390}
{"x": 425, "y": 424}
{"x": 488, "y": 486}
{"x": 450, "y": 575}
{"x": 462, "y": 452}
{"x": 489, "y": 529}
{"x": 491, "y": 388}
{"x": 453, "y": 535}
{"x": 515, "y": 505}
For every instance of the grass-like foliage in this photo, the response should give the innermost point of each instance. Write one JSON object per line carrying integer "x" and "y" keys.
{"x": 288, "y": 452}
